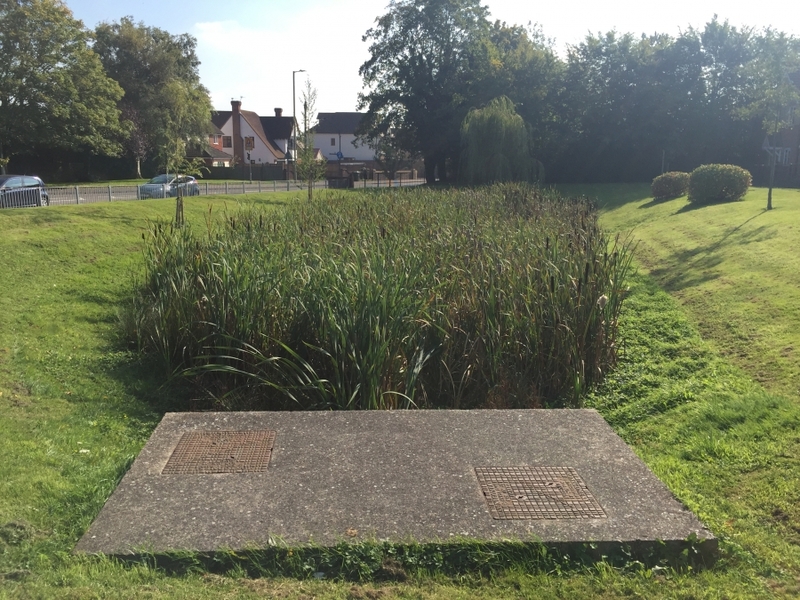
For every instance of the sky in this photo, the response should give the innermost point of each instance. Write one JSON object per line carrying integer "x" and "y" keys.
{"x": 248, "y": 49}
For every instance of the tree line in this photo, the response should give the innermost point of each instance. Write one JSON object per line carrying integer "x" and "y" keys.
{"x": 123, "y": 89}
{"x": 617, "y": 107}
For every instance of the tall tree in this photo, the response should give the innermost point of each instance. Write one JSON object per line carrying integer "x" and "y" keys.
{"x": 525, "y": 68}
{"x": 606, "y": 86}
{"x": 424, "y": 74}
{"x": 631, "y": 101}
{"x": 774, "y": 97}
{"x": 160, "y": 75}
{"x": 53, "y": 90}
{"x": 727, "y": 51}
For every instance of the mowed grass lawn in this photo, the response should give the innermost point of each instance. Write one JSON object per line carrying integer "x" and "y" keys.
{"x": 735, "y": 268}
{"x": 715, "y": 417}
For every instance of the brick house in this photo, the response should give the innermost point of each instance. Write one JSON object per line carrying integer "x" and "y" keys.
{"x": 213, "y": 155}
{"x": 786, "y": 150}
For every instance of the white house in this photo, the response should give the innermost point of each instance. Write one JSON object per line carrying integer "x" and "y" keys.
{"x": 245, "y": 138}
{"x": 335, "y": 136}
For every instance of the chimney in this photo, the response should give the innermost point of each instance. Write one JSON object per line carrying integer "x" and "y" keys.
{"x": 278, "y": 112}
{"x": 238, "y": 142}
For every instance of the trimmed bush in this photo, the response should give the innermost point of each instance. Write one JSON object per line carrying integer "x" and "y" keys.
{"x": 670, "y": 185}
{"x": 709, "y": 184}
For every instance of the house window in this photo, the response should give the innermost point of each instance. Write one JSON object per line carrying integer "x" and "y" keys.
{"x": 249, "y": 143}
{"x": 219, "y": 163}
{"x": 216, "y": 139}
{"x": 333, "y": 141}
{"x": 227, "y": 141}
{"x": 781, "y": 155}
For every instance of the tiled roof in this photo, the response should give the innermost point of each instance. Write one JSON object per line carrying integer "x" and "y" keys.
{"x": 207, "y": 152}
{"x": 220, "y": 117}
{"x": 277, "y": 128}
{"x": 338, "y": 122}
{"x": 255, "y": 124}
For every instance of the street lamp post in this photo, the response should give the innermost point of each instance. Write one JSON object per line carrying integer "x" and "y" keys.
{"x": 294, "y": 125}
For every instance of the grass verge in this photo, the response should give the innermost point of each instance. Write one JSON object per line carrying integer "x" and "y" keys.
{"x": 724, "y": 445}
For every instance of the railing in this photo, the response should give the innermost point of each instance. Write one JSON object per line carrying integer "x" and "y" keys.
{"x": 90, "y": 194}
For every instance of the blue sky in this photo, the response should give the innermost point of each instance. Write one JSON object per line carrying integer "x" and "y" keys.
{"x": 249, "y": 48}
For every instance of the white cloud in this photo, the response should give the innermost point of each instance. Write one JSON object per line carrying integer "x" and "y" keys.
{"x": 255, "y": 59}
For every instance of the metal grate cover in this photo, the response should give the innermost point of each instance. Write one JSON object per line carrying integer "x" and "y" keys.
{"x": 206, "y": 452}
{"x": 537, "y": 493}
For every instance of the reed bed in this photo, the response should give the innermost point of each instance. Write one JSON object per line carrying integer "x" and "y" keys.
{"x": 503, "y": 296}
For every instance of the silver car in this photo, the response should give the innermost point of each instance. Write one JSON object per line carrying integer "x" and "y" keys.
{"x": 167, "y": 186}
{"x": 22, "y": 190}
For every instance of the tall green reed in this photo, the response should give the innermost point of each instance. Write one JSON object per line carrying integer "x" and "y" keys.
{"x": 504, "y": 296}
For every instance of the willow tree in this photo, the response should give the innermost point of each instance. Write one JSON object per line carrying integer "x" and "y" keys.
{"x": 495, "y": 145}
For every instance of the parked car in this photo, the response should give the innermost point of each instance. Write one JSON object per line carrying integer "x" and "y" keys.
{"x": 167, "y": 186}
{"x": 22, "y": 190}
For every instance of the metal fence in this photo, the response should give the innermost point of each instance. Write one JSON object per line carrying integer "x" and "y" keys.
{"x": 90, "y": 194}
{"x": 22, "y": 197}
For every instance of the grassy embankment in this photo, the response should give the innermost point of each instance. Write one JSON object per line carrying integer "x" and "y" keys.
{"x": 76, "y": 405}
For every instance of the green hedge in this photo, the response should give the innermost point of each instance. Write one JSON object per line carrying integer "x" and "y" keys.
{"x": 718, "y": 183}
{"x": 670, "y": 185}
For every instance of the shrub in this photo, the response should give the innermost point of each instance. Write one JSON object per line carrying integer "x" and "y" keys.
{"x": 670, "y": 185}
{"x": 718, "y": 183}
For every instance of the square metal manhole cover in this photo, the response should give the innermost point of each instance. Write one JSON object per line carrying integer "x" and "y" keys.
{"x": 537, "y": 493}
{"x": 206, "y": 452}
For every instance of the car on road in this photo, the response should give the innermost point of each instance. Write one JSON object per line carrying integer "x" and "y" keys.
{"x": 22, "y": 190}
{"x": 167, "y": 186}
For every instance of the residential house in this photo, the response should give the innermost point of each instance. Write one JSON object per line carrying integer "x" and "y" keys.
{"x": 784, "y": 148}
{"x": 278, "y": 130}
{"x": 786, "y": 144}
{"x": 244, "y": 137}
{"x": 213, "y": 155}
{"x": 335, "y": 136}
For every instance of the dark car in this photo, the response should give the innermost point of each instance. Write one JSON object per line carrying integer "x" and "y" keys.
{"x": 167, "y": 186}
{"x": 22, "y": 190}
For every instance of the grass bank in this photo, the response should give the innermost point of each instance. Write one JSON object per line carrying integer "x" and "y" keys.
{"x": 76, "y": 405}
{"x": 735, "y": 267}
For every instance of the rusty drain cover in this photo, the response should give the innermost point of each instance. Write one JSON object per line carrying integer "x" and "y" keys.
{"x": 537, "y": 493}
{"x": 205, "y": 452}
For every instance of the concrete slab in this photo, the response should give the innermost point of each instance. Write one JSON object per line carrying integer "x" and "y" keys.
{"x": 386, "y": 475}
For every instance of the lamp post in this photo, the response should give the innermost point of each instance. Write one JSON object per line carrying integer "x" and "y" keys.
{"x": 294, "y": 125}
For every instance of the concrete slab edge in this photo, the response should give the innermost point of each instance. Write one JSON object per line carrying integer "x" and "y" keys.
{"x": 367, "y": 559}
